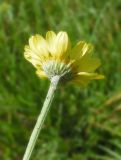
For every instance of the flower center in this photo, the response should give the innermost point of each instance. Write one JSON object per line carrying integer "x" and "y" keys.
{"x": 54, "y": 67}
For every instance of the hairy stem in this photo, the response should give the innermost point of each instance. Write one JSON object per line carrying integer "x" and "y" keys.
{"x": 41, "y": 118}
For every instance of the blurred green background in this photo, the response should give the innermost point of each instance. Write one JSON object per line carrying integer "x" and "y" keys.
{"x": 83, "y": 124}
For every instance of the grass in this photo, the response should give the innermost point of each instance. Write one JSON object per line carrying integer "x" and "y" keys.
{"x": 83, "y": 124}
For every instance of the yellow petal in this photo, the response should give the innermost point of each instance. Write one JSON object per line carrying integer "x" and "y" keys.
{"x": 88, "y": 64}
{"x": 81, "y": 49}
{"x": 51, "y": 38}
{"x": 77, "y": 50}
{"x": 62, "y": 44}
{"x": 38, "y": 45}
{"x": 90, "y": 76}
{"x": 32, "y": 57}
{"x": 83, "y": 78}
{"x": 87, "y": 49}
{"x": 41, "y": 74}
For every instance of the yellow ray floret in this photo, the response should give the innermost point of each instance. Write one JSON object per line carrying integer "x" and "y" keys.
{"x": 54, "y": 55}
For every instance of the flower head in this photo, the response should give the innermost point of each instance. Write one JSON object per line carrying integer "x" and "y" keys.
{"x": 54, "y": 56}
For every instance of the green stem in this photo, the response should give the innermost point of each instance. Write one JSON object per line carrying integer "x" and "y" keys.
{"x": 41, "y": 118}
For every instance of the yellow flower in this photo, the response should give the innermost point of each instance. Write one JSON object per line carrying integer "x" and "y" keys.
{"x": 54, "y": 56}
